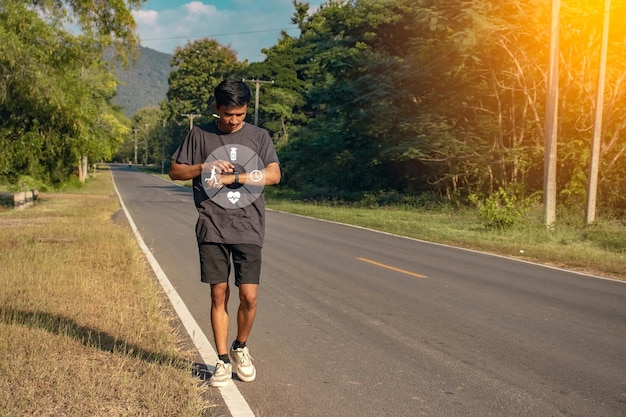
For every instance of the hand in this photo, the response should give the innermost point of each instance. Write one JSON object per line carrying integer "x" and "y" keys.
{"x": 216, "y": 168}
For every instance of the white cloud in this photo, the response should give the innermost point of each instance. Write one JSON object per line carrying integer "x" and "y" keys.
{"x": 249, "y": 27}
{"x": 146, "y": 17}
{"x": 197, "y": 7}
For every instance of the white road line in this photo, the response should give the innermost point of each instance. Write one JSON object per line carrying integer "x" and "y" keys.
{"x": 233, "y": 399}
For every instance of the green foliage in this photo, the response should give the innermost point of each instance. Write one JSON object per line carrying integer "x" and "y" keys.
{"x": 198, "y": 68}
{"x": 375, "y": 100}
{"x": 502, "y": 210}
{"x": 55, "y": 90}
{"x": 27, "y": 183}
{"x": 442, "y": 97}
{"x": 146, "y": 136}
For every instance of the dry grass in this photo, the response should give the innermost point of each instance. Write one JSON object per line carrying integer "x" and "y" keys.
{"x": 84, "y": 330}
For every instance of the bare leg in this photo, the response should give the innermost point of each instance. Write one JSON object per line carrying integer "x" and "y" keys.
{"x": 219, "y": 316}
{"x": 247, "y": 310}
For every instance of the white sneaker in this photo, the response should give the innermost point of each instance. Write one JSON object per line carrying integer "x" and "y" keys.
{"x": 244, "y": 368}
{"x": 221, "y": 375}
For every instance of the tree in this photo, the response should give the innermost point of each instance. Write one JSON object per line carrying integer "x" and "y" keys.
{"x": 443, "y": 97}
{"x": 198, "y": 68}
{"x": 147, "y": 125}
{"x": 54, "y": 87}
{"x": 581, "y": 51}
{"x": 346, "y": 69}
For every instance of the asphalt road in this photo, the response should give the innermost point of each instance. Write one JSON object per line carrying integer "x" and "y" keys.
{"x": 353, "y": 322}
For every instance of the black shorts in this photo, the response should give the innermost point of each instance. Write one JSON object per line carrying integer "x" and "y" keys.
{"x": 215, "y": 263}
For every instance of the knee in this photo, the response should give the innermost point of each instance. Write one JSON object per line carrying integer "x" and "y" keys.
{"x": 248, "y": 299}
{"x": 219, "y": 294}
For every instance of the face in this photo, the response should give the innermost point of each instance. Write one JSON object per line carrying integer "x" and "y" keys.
{"x": 231, "y": 118}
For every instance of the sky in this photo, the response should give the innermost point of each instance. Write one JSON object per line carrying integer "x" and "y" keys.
{"x": 246, "y": 26}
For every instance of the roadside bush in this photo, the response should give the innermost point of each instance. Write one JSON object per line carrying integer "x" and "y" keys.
{"x": 502, "y": 210}
{"x": 26, "y": 183}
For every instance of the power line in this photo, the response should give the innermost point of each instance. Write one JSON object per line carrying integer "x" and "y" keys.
{"x": 217, "y": 34}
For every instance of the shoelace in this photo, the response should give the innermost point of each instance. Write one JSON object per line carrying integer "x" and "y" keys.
{"x": 243, "y": 357}
{"x": 220, "y": 367}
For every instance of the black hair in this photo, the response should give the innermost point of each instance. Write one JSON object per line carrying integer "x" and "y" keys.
{"x": 232, "y": 93}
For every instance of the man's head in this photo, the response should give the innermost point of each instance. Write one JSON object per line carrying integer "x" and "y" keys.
{"x": 231, "y": 103}
{"x": 232, "y": 93}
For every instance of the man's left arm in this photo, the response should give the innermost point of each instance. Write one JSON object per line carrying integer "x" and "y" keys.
{"x": 270, "y": 175}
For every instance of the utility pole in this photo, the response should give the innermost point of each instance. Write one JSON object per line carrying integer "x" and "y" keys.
{"x": 135, "y": 132}
{"x": 257, "y": 84}
{"x": 163, "y": 148}
{"x": 191, "y": 116}
{"x": 145, "y": 151}
{"x": 551, "y": 127}
{"x": 592, "y": 185}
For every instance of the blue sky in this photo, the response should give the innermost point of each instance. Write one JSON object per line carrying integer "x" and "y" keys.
{"x": 246, "y": 26}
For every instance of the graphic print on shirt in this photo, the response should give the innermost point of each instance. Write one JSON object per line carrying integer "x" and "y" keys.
{"x": 234, "y": 195}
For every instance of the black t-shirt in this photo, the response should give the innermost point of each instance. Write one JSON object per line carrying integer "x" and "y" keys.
{"x": 216, "y": 223}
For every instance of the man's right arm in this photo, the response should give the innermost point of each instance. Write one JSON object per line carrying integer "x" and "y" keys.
{"x": 184, "y": 172}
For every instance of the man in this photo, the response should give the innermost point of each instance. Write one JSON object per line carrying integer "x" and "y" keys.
{"x": 232, "y": 231}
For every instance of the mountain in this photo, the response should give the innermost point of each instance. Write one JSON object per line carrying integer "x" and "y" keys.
{"x": 144, "y": 83}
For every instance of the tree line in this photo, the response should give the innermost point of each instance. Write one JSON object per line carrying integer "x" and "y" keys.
{"x": 436, "y": 99}
{"x": 55, "y": 88}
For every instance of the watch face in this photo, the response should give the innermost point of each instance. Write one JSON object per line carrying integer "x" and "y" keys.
{"x": 245, "y": 160}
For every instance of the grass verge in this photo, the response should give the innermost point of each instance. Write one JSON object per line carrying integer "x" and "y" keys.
{"x": 84, "y": 327}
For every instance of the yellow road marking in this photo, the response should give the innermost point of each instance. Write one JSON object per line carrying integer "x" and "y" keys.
{"x": 413, "y": 274}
